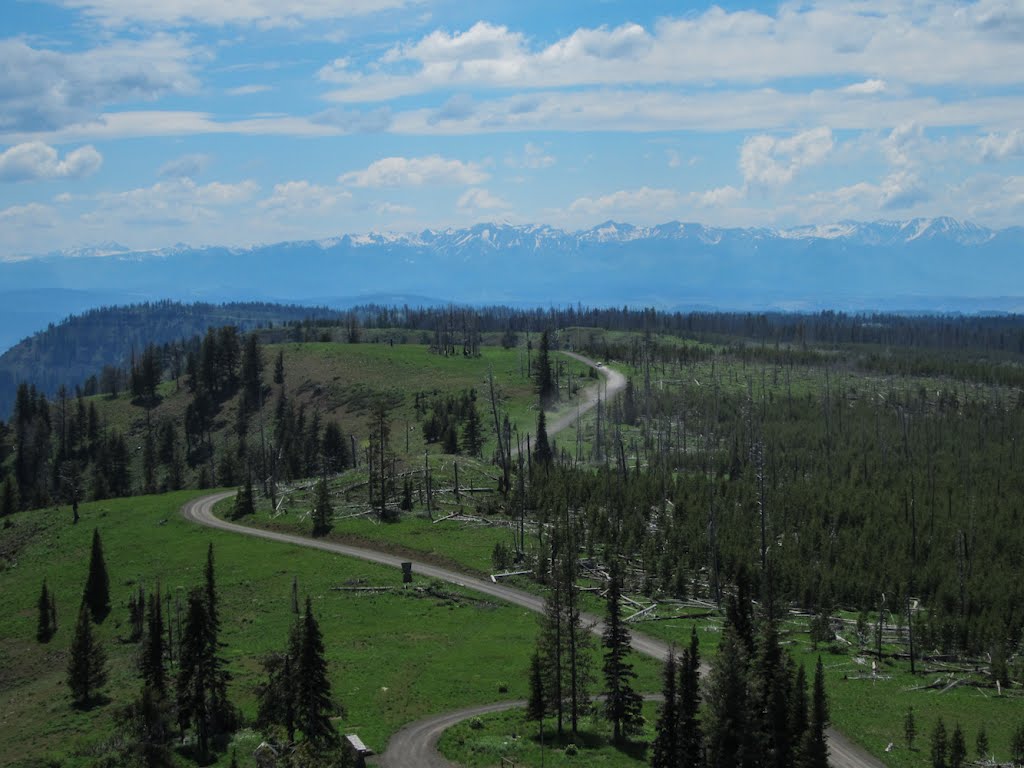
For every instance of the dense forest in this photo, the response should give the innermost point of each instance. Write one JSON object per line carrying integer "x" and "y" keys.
{"x": 831, "y": 461}
{"x": 81, "y": 347}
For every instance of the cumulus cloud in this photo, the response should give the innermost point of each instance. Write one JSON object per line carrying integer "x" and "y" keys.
{"x": 415, "y": 172}
{"x": 479, "y": 199}
{"x": 645, "y": 199}
{"x": 718, "y": 197}
{"x": 303, "y": 196}
{"x": 30, "y": 215}
{"x": 248, "y": 90}
{"x": 920, "y": 43}
{"x": 174, "y": 202}
{"x": 1000, "y": 146}
{"x": 902, "y": 144}
{"x": 36, "y": 160}
{"x": 866, "y": 88}
{"x": 768, "y": 161}
{"x": 190, "y": 165}
{"x": 44, "y": 89}
{"x": 394, "y": 209}
{"x": 263, "y": 13}
{"x": 533, "y": 157}
{"x": 898, "y": 192}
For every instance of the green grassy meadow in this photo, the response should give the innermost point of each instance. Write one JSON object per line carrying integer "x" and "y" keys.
{"x": 394, "y": 656}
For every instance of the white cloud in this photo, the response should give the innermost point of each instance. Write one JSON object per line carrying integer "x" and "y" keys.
{"x": 264, "y": 13}
{"x": 900, "y": 192}
{"x": 625, "y": 201}
{"x": 248, "y": 90}
{"x": 393, "y": 209}
{"x": 29, "y": 216}
{"x": 903, "y": 143}
{"x": 997, "y": 146}
{"x": 35, "y": 160}
{"x": 415, "y": 172}
{"x": 479, "y": 199}
{"x": 718, "y": 197}
{"x": 190, "y": 165}
{"x": 866, "y": 88}
{"x": 302, "y": 196}
{"x": 769, "y": 161}
{"x": 44, "y": 90}
{"x": 930, "y": 42}
{"x": 175, "y": 202}
{"x": 673, "y": 158}
{"x": 533, "y": 157}
{"x": 144, "y": 123}
{"x": 990, "y": 198}
{"x": 639, "y": 110}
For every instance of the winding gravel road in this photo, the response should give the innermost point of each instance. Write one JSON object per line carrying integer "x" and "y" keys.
{"x": 415, "y": 745}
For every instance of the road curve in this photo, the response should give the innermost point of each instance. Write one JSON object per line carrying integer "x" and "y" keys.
{"x": 415, "y": 744}
{"x": 410, "y": 752}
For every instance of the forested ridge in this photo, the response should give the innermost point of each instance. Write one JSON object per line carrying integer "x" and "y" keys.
{"x": 71, "y": 352}
{"x": 858, "y": 462}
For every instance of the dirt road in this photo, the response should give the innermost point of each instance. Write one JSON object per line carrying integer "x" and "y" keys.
{"x": 415, "y": 744}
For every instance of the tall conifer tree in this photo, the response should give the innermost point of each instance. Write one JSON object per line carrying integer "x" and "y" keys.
{"x": 622, "y": 705}
{"x": 691, "y": 738}
{"x": 151, "y": 662}
{"x": 313, "y": 703}
{"x": 97, "y": 586}
{"x": 87, "y": 665}
{"x": 44, "y": 626}
{"x": 666, "y": 747}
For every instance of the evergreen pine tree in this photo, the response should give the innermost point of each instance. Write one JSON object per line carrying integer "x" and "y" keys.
{"x": 146, "y": 730}
{"x": 814, "y": 748}
{"x": 541, "y": 448}
{"x": 798, "y": 706}
{"x": 622, "y": 705}
{"x": 665, "y": 751}
{"x": 44, "y": 627}
{"x": 909, "y": 728}
{"x": 727, "y": 717}
{"x": 277, "y": 695}
{"x": 335, "y": 448}
{"x": 981, "y": 743}
{"x": 771, "y": 688}
{"x": 87, "y": 666}
{"x": 472, "y": 432}
{"x": 536, "y": 706}
{"x": 151, "y": 662}
{"x": 313, "y": 703}
{"x": 940, "y": 746}
{"x": 546, "y": 386}
{"x": 323, "y": 512}
{"x": 202, "y": 680}
{"x": 210, "y": 581}
{"x": 97, "y": 586}
{"x": 957, "y": 748}
{"x": 691, "y": 737}
{"x": 245, "y": 502}
{"x": 279, "y": 368}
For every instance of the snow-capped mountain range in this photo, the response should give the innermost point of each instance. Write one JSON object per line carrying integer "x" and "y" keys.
{"x": 939, "y": 264}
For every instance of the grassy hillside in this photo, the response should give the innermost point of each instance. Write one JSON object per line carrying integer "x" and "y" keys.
{"x": 340, "y": 382}
{"x": 69, "y": 352}
{"x": 393, "y": 656}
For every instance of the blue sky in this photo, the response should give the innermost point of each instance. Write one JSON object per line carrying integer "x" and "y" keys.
{"x": 154, "y": 122}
